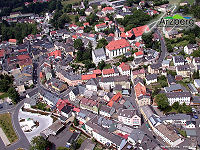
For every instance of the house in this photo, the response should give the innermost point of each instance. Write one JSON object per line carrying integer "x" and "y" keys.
{"x": 170, "y": 79}
{"x": 151, "y": 78}
{"x": 49, "y": 98}
{"x": 176, "y": 119}
{"x": 12, "y": 41}
{"x": 174, "y": 88}
{"x": 183, "y": 70}
{"x": 107, "y": 10}
{"x": 124, "y": 69}
{"x": 165, "y": 63}
{"x": 89, "y": 104}
{"x": 109, "y": 72}
{"x": 190, "y": 124}
{"x": 92, "y": 85}
{"x": 117, "y": 48}
{"x": 173, "y": 34}
{"x": 58, "y": 85}
{"x": 84, "y": 115}
{"x": 105, "y": 137}
{"x": 98, "y": 55}
{"x": 86, "y": 77}
{"x": 129, "y": 117}
{"x": 73, "y": 138}
{"x": 28, "y": 103}
{"x": 138, "y": 73}
{"x": 136, "y": 136}
{"x": 168, "y": 135}
{"x": 75, "y": 92}
{"x": 188, "y": 49}
{"x": 192, "y": 88}
{"x": 106, "y": 111}
{"x": 178, "y": 60}
{"x": 100, "y": 27}
{"x": 139, "y": 87}
{"x": 33, "y": 94}
{"x": 197, "y": 83}
{"x": 154, "y": 68}
{"x": 181, "y": 97}
{"x": 66, "y": 111}
{"x": 88, "y": 11}
{"x": 143, "y": 100}
{"x": 116, "y": 98}
{"x": 138, "y": 54}
{"x": 196, "y": 61}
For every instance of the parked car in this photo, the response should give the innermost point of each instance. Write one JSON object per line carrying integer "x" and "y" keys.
{"x": 195, "y": 116}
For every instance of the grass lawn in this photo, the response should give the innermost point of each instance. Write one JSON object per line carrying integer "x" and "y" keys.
{"x": 65, "y": 2}
{"x": 98, "y": 147}
{"x": 107, "y": 66}
{"x": 182, "y": 132}
{"x": 3, "y": 95}
{"x": 6, "y": 125}
{"x": 182, "y": 43}
{"x": 72, "y": 17}
{"x": 176, "y": 2}
{"x": 189, "y": 1}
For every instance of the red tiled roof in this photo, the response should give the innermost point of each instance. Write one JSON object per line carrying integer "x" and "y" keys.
{"x": 111, "y": 34}
{"x": 2, "y": 53}
{"x": 124, "y": 66}
{"x": 108, "y": 71}
{"x": 41, "y": 75}
{"x": 22, "y": 50}
{"x": 107, "y": 9}
{"x": 101, "y": 25}
{"x": 106, "y": 19}
{"x": 88, "y": 76}
{"x": 74, "y": 36}
{"x": 97, "y": 71}
{"x": 115, "y": 98}
{"x": 12, "y": 40}
{"x": 121, "y": 29}
{"x": 56, "y": 54}
{"x": 76, "y": 109}
{"x": 136, "y": 72}
{"x": 137, "y": 44}
{"x": 22, "y": 57}
{"x": 139, "y": 53}
{"x": 117, "y": 44}
{"x": 53, "y": 32}
{"x": 86, "y": 24}
{"x": 138, "y": 31}
{"x": 140, "y": 89}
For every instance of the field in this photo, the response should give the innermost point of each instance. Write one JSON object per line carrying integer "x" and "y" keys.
{"x": 65, "y": 2}
{"x": 6, "y": 125}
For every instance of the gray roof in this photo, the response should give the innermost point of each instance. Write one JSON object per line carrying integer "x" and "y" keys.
{"x": 99, "y": 52}
{"x": 192, "y": 88}
{"x": 137, "y": 135}
{"x": 174, "y": 87}
{"x": 33, "y": 92}
{"x": 126, "y": 112}
{"x": 151, "y": 77}
{"x": 196, "y": 99}
{"x": 78, "y": 90}
{"x": 176, "y": 117}
{"x": 191, "y": 133}
{"x": 191, "y": 46}
{"x": 32, "y": 102}
{"x": 179, "y": 59}
{"x": 178, "y": 94}
{"x": 156, "y": 66}
{"x": 50, "y": 96}
{"x": 107, "y": 109}
{"x": 92, "y": 82}
{"x": 183, "y": 68}
{"x": 170, "y": 79}
{"x": 115, "y": 79}
{"x": 147, "y": 110}
{"x": 137, "y": 80}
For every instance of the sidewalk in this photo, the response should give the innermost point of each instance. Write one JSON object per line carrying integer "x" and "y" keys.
{"x": 4, "y": 138}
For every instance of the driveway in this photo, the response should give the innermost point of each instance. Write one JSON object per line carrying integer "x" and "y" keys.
{"x": 44, "y": 122}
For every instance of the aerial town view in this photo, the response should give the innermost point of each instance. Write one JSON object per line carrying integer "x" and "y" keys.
{"x": 99, "y": 74}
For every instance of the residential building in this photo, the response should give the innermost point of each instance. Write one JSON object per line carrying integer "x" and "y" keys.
{"x": 89, "y": 104}
{"x": 168, "y": 135}
{"x": 183, "y": 70}
{"x": 117, "y": 48}
{"x": 190, "y": 48}
{"x": 129, "y": 117}
{"x": 197, "y": 83}
{"x": 92, "y": 85}
{"x": 106, "y": 111}
{"x": 143, "y": 100}
{"x": 138, "y": 54}
{"x": 124, "y": 69}
{"x": 98, "y": 55}
{"x": 196, "y": 61}
{"x": 136, "y": 136}
{"x": 151, "y": 78}
{"x": 192, "y": 88}
{"x": 154, "y": 68}
{"x": 178, "y": 60}
{"x": 75, "y": 92}
{"x": 138, "y": 73}
{"x": 175, "y": 88}
{"x": 100, "y": 27}
{"x": 181, "y": 97}
{"x": 176, "y": 119}
{"x": 110, "y": 72}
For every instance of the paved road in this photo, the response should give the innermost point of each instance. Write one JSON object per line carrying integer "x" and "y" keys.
{"x": 22, "y": 140}
{"x": 163, "y": 47}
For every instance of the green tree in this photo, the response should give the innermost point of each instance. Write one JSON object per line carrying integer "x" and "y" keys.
{"x": 162, "y": 101}
{"x": 147, "y": 38}
{"x": 4, "y": 85}
{"x": 101, "y": 65}
{"x": 175, "y": 105}
{"x": 76, "y": 123}
{"x": 39, "y": 143}
{"x": 13, "y": 94}
{"x": 78, "y": 44}
{"x": 102, "y": 43}
{"x": 195, "y": 75}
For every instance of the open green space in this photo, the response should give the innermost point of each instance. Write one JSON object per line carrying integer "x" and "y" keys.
{"x": 6, "y": 125}
{"x": 4, "y": 95}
